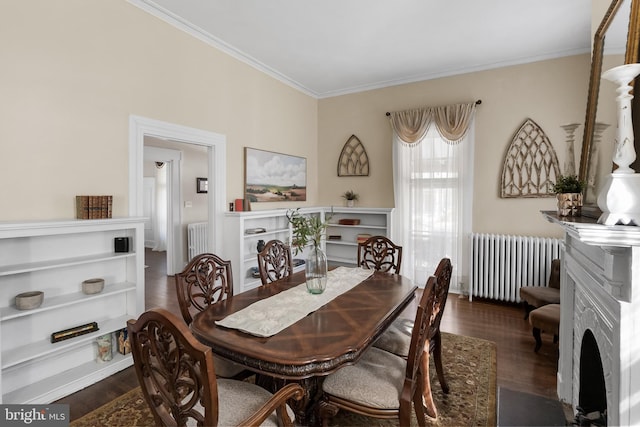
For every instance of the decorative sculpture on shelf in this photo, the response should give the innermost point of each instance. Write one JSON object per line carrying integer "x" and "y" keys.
{"x": 570, "y": 161}
{"x": 619, "y": 198}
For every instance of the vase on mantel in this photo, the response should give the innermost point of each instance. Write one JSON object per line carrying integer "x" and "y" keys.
{"x": 569, "y": 204}
{"x": 316, "y": 270}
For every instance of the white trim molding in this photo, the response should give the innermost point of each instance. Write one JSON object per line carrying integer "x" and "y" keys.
{"x": 139, "y": 127}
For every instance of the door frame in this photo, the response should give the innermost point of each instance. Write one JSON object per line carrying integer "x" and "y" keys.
{"x": 139, "y": 127}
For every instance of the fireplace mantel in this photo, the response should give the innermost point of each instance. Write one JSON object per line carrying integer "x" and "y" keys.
{"x": 592, "y": 233}
{"x": 600, "y": 293}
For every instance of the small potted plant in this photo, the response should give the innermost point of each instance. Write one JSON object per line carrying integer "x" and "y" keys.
{"x": 350, "y": 197}
{"x": 568, "y": 189}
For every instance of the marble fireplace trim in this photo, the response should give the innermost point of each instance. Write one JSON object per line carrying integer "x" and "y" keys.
{"x": 600, "y": 292}
{"x": 597, "y": 318}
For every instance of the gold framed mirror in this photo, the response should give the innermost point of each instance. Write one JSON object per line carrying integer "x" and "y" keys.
{"x": 615, "y": 42}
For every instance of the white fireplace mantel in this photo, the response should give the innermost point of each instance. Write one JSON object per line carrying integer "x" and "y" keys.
{"x": 600, "y": 292}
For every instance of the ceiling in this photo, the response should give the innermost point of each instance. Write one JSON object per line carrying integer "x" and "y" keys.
{"x": 327, "y": 48}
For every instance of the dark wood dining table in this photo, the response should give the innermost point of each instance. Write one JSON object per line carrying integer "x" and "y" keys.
{"x": 336, "y": 334}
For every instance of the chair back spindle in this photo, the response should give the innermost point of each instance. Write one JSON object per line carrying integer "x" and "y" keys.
{"x": 274, "y": 262}
{"x": 206, "y": 280}
{"x": 381, "y": 254}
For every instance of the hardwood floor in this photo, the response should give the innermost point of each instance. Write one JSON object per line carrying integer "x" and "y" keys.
{"x": 519, "y": 368}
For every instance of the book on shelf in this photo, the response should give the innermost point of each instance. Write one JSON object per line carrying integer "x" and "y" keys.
{"x": 94, "y": 207}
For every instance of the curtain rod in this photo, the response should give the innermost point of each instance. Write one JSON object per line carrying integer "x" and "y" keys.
{"x": 478, "y": 102}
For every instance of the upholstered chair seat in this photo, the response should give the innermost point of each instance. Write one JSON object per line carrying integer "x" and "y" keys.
{"x": 240, "y": 400}
{"x": 540, "y": 295}
{"x": 545, "y": 319}
{"x": 397, "y": 338}
{"x": 537, "y": 296}
{"x": 375, "y": 381}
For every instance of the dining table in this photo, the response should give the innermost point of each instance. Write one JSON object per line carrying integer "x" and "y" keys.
{"x": 329, "y": 337}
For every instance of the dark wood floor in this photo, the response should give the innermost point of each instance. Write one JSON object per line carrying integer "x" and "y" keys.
{"x": 519, "y": 368}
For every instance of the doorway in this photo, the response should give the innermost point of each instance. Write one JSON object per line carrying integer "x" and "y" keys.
{"x": 141, "y": 127}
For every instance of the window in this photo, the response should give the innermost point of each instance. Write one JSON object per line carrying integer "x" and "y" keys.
{"x": 434, "y": 194}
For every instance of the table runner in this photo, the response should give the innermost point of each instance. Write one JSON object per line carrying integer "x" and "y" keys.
{"x": 269, "y": 316}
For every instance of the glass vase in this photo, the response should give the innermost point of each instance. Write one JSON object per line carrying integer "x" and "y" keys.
{"x": 316, "y": 271}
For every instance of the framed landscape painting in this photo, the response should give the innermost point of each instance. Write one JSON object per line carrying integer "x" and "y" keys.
{"x": 274, "y": 177}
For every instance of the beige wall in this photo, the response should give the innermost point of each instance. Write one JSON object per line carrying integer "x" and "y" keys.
{"x": 551, "y": 93}
{"x": 74, "y": 72}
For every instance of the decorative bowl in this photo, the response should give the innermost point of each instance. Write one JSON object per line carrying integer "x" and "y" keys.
{"x": 29, "y": 300}
{"x": 92, "y": 286}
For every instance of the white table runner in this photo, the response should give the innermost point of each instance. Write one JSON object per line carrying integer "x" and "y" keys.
{"x": 269, "y": 316}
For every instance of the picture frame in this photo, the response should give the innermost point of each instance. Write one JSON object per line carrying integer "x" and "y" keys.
{"x": 202, "y": 185}
{"x": 274, "y": 177}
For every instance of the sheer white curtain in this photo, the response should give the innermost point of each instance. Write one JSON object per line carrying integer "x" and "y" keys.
{"x": 433, "y": 184}
{"x": 160, "y": 225}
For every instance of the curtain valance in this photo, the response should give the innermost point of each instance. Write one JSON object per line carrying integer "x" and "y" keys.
{"x": 452, "y": 121}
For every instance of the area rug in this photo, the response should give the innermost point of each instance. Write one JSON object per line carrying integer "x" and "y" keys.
{"x": 469, "y": 366}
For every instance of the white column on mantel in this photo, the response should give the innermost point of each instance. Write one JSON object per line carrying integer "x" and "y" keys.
{"x": 619, "y": 197}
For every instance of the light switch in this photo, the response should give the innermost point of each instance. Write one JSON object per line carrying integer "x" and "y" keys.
{"x": 188, "y": 204}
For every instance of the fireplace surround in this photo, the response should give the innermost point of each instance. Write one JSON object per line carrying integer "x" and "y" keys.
{"x": 599, "y": 362}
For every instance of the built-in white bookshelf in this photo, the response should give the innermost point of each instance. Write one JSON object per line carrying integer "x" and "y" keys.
{"x": 56, "y": 257}
{"x": 244, "y": 229}
{"x": 344, "y": 250}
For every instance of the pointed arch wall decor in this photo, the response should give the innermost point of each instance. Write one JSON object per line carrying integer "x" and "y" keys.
{"x": 530, "y": 166}
{"x": 353, "y": 160}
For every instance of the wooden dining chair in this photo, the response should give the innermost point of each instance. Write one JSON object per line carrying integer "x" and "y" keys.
{"x": 206, "y": 280}
{"x": 177, "y": 377}
{"x": 274, "y": 262}
{"x": 380, "y": 253}
{"x": 382, "y": 384}
{"x": 397, "y": 338}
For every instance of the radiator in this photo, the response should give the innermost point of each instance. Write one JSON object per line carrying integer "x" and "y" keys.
{"x": 501, "y": 264}
{"x": 197, "y": 238}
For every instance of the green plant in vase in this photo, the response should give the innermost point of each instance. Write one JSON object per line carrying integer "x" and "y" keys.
{"x": 350, "y": 197}
{"x": 568, "y": 189}
{"x": 309, "y": 230}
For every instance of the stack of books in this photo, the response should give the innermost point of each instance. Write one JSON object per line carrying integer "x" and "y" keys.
{"x": 93, "y": 207}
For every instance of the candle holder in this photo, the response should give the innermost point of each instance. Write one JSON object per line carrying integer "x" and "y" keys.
{"x": 619, "y": 198}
